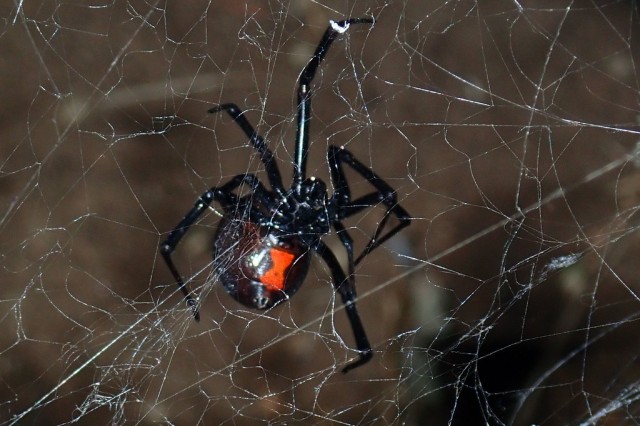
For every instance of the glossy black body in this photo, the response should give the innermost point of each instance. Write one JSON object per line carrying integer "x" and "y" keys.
{"x": 288, "y": 223}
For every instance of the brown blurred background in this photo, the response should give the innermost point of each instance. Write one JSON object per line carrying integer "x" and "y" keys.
{"x": 508, "y": 129}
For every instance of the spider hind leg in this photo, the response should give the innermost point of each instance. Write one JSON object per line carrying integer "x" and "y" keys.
{"x": 345, "y": 286}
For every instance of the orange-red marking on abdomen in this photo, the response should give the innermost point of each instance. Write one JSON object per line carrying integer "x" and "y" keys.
{"x": 281, "y": 261}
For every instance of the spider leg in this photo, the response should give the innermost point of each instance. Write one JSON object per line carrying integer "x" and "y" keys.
{"x": 304, "y": 93}
{"x": 266, "y": 156}
{"x": 347, "y": 242}
{"x": 346, "y": 288}
{"x": 225, "y": 196}
{"x": 384, "y": 194}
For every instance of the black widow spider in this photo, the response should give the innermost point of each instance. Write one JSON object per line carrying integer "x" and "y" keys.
{"x": 264, "y": 240}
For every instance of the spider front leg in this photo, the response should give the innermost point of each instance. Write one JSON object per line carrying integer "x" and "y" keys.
{"x": 304, "y": 92}
{"x": 384, "y": 194}
{"x": 266, "y": 156}
{"x": 225, "y": 196}
{"x": 346, "y": 288}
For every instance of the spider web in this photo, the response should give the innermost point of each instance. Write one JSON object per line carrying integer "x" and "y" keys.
{"x": 508, "y": 129}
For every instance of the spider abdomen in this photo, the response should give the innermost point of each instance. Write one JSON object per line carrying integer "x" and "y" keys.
{"x": 257, "y": 266}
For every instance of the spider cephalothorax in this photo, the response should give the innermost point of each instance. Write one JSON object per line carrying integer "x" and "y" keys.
{"x": 262, "y": 249}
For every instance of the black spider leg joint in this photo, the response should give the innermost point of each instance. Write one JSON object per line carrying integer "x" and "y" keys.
{"x": 383, "y": 193}
{"x": 266, "y": 156}
{"x": 304, "y": 93}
